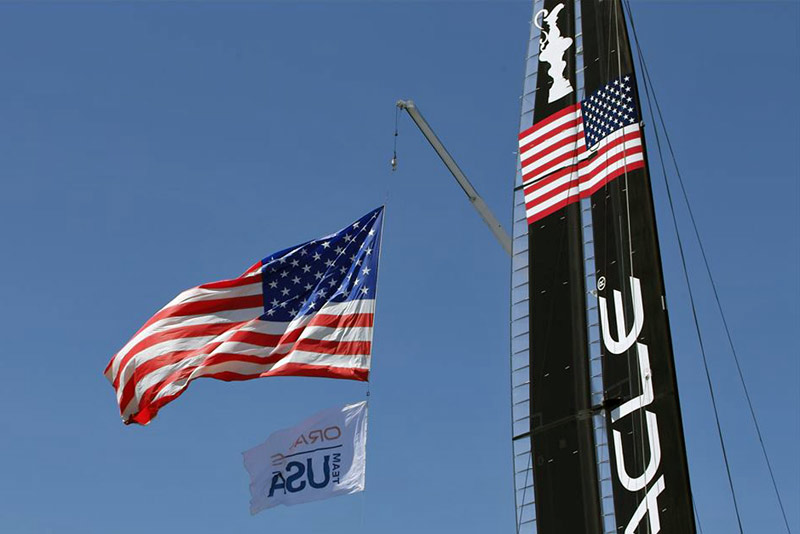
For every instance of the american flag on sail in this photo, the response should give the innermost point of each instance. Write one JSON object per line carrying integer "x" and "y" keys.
{"x": 304, "y": 311}
{"x": 576, "y": 151}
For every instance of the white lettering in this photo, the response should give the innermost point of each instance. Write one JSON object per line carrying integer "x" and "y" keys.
{"x": 647, "y": 395}
{"x": 638, "y": 483}
{"x": 623, "y": 342}
{"x": 648, "y": 506}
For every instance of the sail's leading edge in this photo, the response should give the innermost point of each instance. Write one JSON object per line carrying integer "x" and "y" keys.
{"x": 588, "y": 147}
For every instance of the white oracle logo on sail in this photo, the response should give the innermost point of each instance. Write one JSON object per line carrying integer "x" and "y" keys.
{"x": 624, "y": 341}
{"x": 552, "y": 47}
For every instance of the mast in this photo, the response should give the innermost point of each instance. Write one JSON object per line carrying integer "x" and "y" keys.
{"x": 583, "y": 210}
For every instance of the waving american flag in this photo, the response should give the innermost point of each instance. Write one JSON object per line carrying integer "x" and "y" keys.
{"x": 577, "y": 150}
{"x": 305, "y": 311}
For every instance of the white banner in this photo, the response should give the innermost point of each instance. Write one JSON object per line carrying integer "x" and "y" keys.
{"x": 322, "y": 457}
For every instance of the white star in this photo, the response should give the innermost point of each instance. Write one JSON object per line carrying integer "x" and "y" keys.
{"x": 372, "y": 232}
{"x": 338, "y": 250}
{"x": 274, "y": 302}
{"x": 356, "y": 224}
{"x": 343, "y": 270}
{"x": 332, "y": 282}
{"x": 273, "y": 284}
{"x": 356, "y": 282}
{"x": 348, "y": 237}
{"x": 364, "y": 290}
{"x": 285, "y": 291}
{"x": 295, "y": 262}
{"x": 326, "y": 244}
{"x": 366, "y": 270}
{"x": 316, "y": 256}
{"x": 312, "y": 305}
{"x": 318, "y": 275}
{"x": 306, "y": 268}
{"x": 293, "y": 312}
{"x": 353, "y": 257}
{"x": 368, "y": 251}
{"x": 303, "y": 252}
{"x": 296, "y": 280}
{"x": 283, "y": 304}
{"x": 329, "y": 263}
{"x": 323, "y": 292}
{"x": 270, "y": 312}
{"x": 284, "y": 274}
{"x": 308, "y": 286}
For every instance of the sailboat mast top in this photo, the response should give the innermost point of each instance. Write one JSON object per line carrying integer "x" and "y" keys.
{"x": 477, "y": 202}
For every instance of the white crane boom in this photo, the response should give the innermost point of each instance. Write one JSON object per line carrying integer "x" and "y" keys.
{"x": 473, "y": 196}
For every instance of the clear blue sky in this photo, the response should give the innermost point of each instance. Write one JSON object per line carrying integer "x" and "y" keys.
{"x": 145, "y": 149}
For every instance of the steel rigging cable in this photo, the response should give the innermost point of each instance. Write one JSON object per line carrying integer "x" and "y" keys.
{"x": 657, "y": 110}
{"x": 691, "y": 292}
{"x": 711, "y": 278}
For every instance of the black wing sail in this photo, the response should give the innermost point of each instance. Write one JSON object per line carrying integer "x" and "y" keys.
{"x": 645, "y": 432}
{"x": 561, "y": 434}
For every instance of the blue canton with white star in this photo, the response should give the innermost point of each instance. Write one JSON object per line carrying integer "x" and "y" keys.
{"x": 336, "y": 268}
{"x": 608, "y": 109}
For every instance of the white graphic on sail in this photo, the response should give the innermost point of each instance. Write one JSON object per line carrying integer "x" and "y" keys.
{"x": 552, "y": 47}
{"x": 648, "y": 508}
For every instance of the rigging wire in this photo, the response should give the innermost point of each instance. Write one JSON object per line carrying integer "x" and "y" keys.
{"x": 647, "y": 87}
{"x": 697, "y": 329}
{"x": 643, "y": 440}
{"x": 711, "y": 278}
{"x": 697, "y": 516}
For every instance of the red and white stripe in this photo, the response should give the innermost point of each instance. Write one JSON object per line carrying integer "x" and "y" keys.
{"x": 557, "y": 168}
{"x": 552, "y": 143}
{"x": 214, "y": 331}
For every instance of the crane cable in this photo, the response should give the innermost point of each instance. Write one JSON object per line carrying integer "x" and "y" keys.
{"x": 396, "y": 133}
